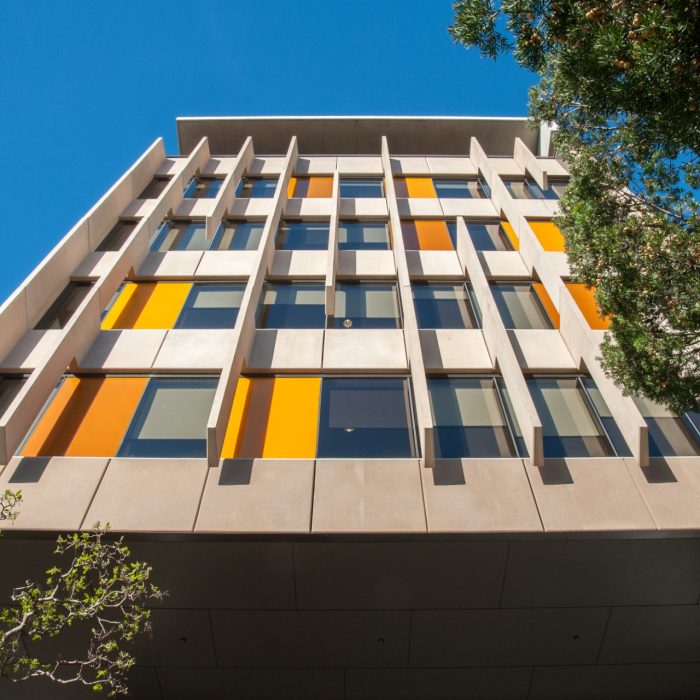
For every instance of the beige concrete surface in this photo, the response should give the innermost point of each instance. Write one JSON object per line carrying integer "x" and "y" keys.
{"x": 33, "y": 350}
{"x": 424, "y": 264}
{"x": 195, "y": 349}
{"x": 503, "y": 264}
{"x": 226, "y": 264}
{"x": 299, "y": 263}
{"x": 540, "y": 349}
{"x": 174, "y": 263}
{"x": 366, "y": 263}
{"x": 286, "y": 349}
{"x": 455, "y": 349}
{"x": 373, "y": 349}
{"x": 123, "y": 350}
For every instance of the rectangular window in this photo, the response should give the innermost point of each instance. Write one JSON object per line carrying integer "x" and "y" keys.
{"x": 67, "y": 303}
{"x": 426, "y": 235}
{"x": 310, "y": 187}
{"x": 363, "y": 235}
{"x": 521, "y": 306}
{"x": 571, "y": 426}
{"x": 257, "y": 188}
{"x": 274, "y": 418}
{"x": 366, "y": 305}
{"x": 445, "y": 305}
{"x": 180, "y": 235}
{"x": 211, "y": 305}
{"x": 460, "y": 189}
{"x": 155, "y": 187}
{"x": 171, "y": 419}
{"x": 488, "y": 235}
{"x": 527, "y": 188}
{"x": 361, "y": 187}
{"x": 292, "y": 305}
{"x": 238, "y": 235}
{"x": 302, "y": 235}
{"x": 365, "y": 418}
{"x": 117, "y": 236}
{"x": 469, "y": 418}
{"x": 10, "y": 385}
{"x": 669, "y": 435}
{"x": 203, "y": 187}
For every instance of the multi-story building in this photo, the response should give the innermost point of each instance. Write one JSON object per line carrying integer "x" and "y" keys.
{"x": 333, "y": 378}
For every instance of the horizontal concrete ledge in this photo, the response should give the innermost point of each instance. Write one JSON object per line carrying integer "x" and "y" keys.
{"x": 356, "y": 134}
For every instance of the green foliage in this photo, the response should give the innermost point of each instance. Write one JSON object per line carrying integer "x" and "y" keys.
{"x": 621, "y": 80}
{"x": 94, "y": 585}
{"x": 9, "y": 501}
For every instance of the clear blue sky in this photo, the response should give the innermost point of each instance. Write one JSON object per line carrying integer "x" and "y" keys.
{"x": 86, "y": 86}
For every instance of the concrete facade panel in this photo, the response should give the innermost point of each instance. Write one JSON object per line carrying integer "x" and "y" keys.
{"x": 541, "y": 349}
{"x": 226, "y": 264}
{"x": 433, "y": 264}
{"x": 286, "y": 348}
{"x": 95, "y": 265}
{"x": 409, "y": 165}
{"x": 360, "y": 165}
{"x": 33, "y": 350}
{"x": 479, "y": 495}
{"x": 364, "y": 348}
{"x": 588, "y": 494}
{"x": 476, "y": 208}
{"x": 176, "y": 264}
{"x": 419, "y": 207}
{"x": 455, "y": 349}
{"x": 261, "y": 495}
{"x": 451, "y": 165}
{"x": 251, "y": 207}
{"x": 366, "y": 263}
{"x": 149, "y": 495}
{"x": 399, "y": 575}
{"x": 267, "y": 165}
{"x": 124, "y": 350}
{"x": 363, "y": 207}
{"x": 299, "y": 263}
{"x": 506, "y": 264}
{"x": 368, "y": 496}
{"x": 56, "y": 491}
{"x": 308, "y": 207}
{"x": 199, "y": 208}
{"x": 315, "y": 165}
{"x": 195, "y": 349}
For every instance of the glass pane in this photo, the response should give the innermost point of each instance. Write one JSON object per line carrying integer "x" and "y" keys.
{"x": 443, "y": 306}
{"x": 155, "y": 188}
{"x": 519, "y": 306}
{"x": 568, "y": 426}
{"x": 468, "y": 418}
{"x": 361, "y": 187}
{"x": 202, "y": 188}
{"x": 518, "y": 189}
{"x": 363, "y": 235}
{"x": 366, "y": 306}
{"x": 488, "y": 236}
{"x": 302, "y": 235}
{"x": 9, "y": 388}
{"x": 211, "y": 306}
{"x": 171, "y": 420}
{"x": 64, "y": 307}
{"x": 516, "y": 432}
{"x": 238, "y": 235}
{"x": 365, "y": 418}
{"x": 458, "y": 189}
{"x": 669, "y": 435}
{"x": 257, "y": 188}
{"x": 181, "y": 235}
{"x": 601, "y": 408}
{"x": 292, "y": 306}
{"x": 116, "y": 238}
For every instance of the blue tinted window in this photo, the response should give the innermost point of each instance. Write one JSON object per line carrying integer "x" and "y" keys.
{"x": 485, "y": 235}
{"x": 256, "y": 188}
{"x": 292, "y": 305}
{"x": 302, "y": 235}
{"x": 370, "y": 418}
{"x": 355, "y": 187}
{"x": 238, "y": 235}
{"x": 181, "y": 235}
{"x": 203, "y": 188}
{"x": 444, "y": 306}
{"x": 366, "y": 305}
{"x": 363, "y": 235}
{"x": 211, "y": 306}
{"x": 459, "y": 189}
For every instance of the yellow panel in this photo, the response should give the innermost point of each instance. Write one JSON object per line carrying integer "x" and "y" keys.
{"x": 549, "y": 236}
{"x": 585, "y": 300}
{"x": 420, "y": 187}
{"x": 291, "y": 186}
{"x": 433, "y": 235}
{"x": 320, "y": 187}
{"x": 88, "y": 417}
{"x": 547, "y": 303}
{"x": 148, "y": 305}
{"x": 292, "y": 425}
{"x": 234, "y": 429}
{"x": 510, "y": 232}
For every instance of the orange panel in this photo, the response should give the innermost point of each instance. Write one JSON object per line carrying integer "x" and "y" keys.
{"x": 320, "y": 187}
{"x": 87, "y": 417}
{"x": 291, "y": 187}
{"x": 547, "y": 303}
{"x": 510, "y": 232}
{"x": 420, "y": 187}
{"x": 549, "y": 236}
{"x": 433, "y": 235}
{"x": 400, "y": 187}
{"x": 585, "y": 300}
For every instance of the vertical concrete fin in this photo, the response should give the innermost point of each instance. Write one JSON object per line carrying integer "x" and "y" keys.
{"x": 526, "y": 160}
{"x": 332, "y": 260}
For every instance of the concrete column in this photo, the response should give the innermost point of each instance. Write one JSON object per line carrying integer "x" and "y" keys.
{"x": 526, "y": 160}
{"x": 332, "y": 260}
{"x": 227, "y": 193}
{"x": 499, "y": 346}
{"x": 424, "y": 416}
{"x": 245, "y": 324}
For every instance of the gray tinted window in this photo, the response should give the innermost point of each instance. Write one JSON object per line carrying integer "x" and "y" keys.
{"x": 444, "y": 306}
{"x": 238, "y": 235}
{"x": 519, "y": 306}
{"x": 355, "y": 187}
{"x": 65, "y": 306}
{"x": 669, "y": 435}
{"x": 363, "y": 235}
{"x": 211, "y": 306}
{"x": 367, "y": 305}
{"x": 302, "y": 235}
{"x": 292, "y": 305}
{"x": 181, "y": 235}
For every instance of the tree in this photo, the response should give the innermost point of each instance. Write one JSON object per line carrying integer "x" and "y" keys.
{"x": 621, "y": 80}
{"x": 96, "y": 585}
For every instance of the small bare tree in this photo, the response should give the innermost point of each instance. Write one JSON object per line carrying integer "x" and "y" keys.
{"x": 95, "y": 583}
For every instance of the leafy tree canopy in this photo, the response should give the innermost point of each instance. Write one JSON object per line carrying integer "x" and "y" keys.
{"x": 621, "y": 80}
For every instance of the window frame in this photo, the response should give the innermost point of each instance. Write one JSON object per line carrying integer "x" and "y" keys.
{"x": 495, "y": 284}
{"x": 471, "y": 303}
{"x": 285, "y": 223}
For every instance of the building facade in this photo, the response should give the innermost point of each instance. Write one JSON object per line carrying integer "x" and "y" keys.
{"x": 333, "y": 377}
